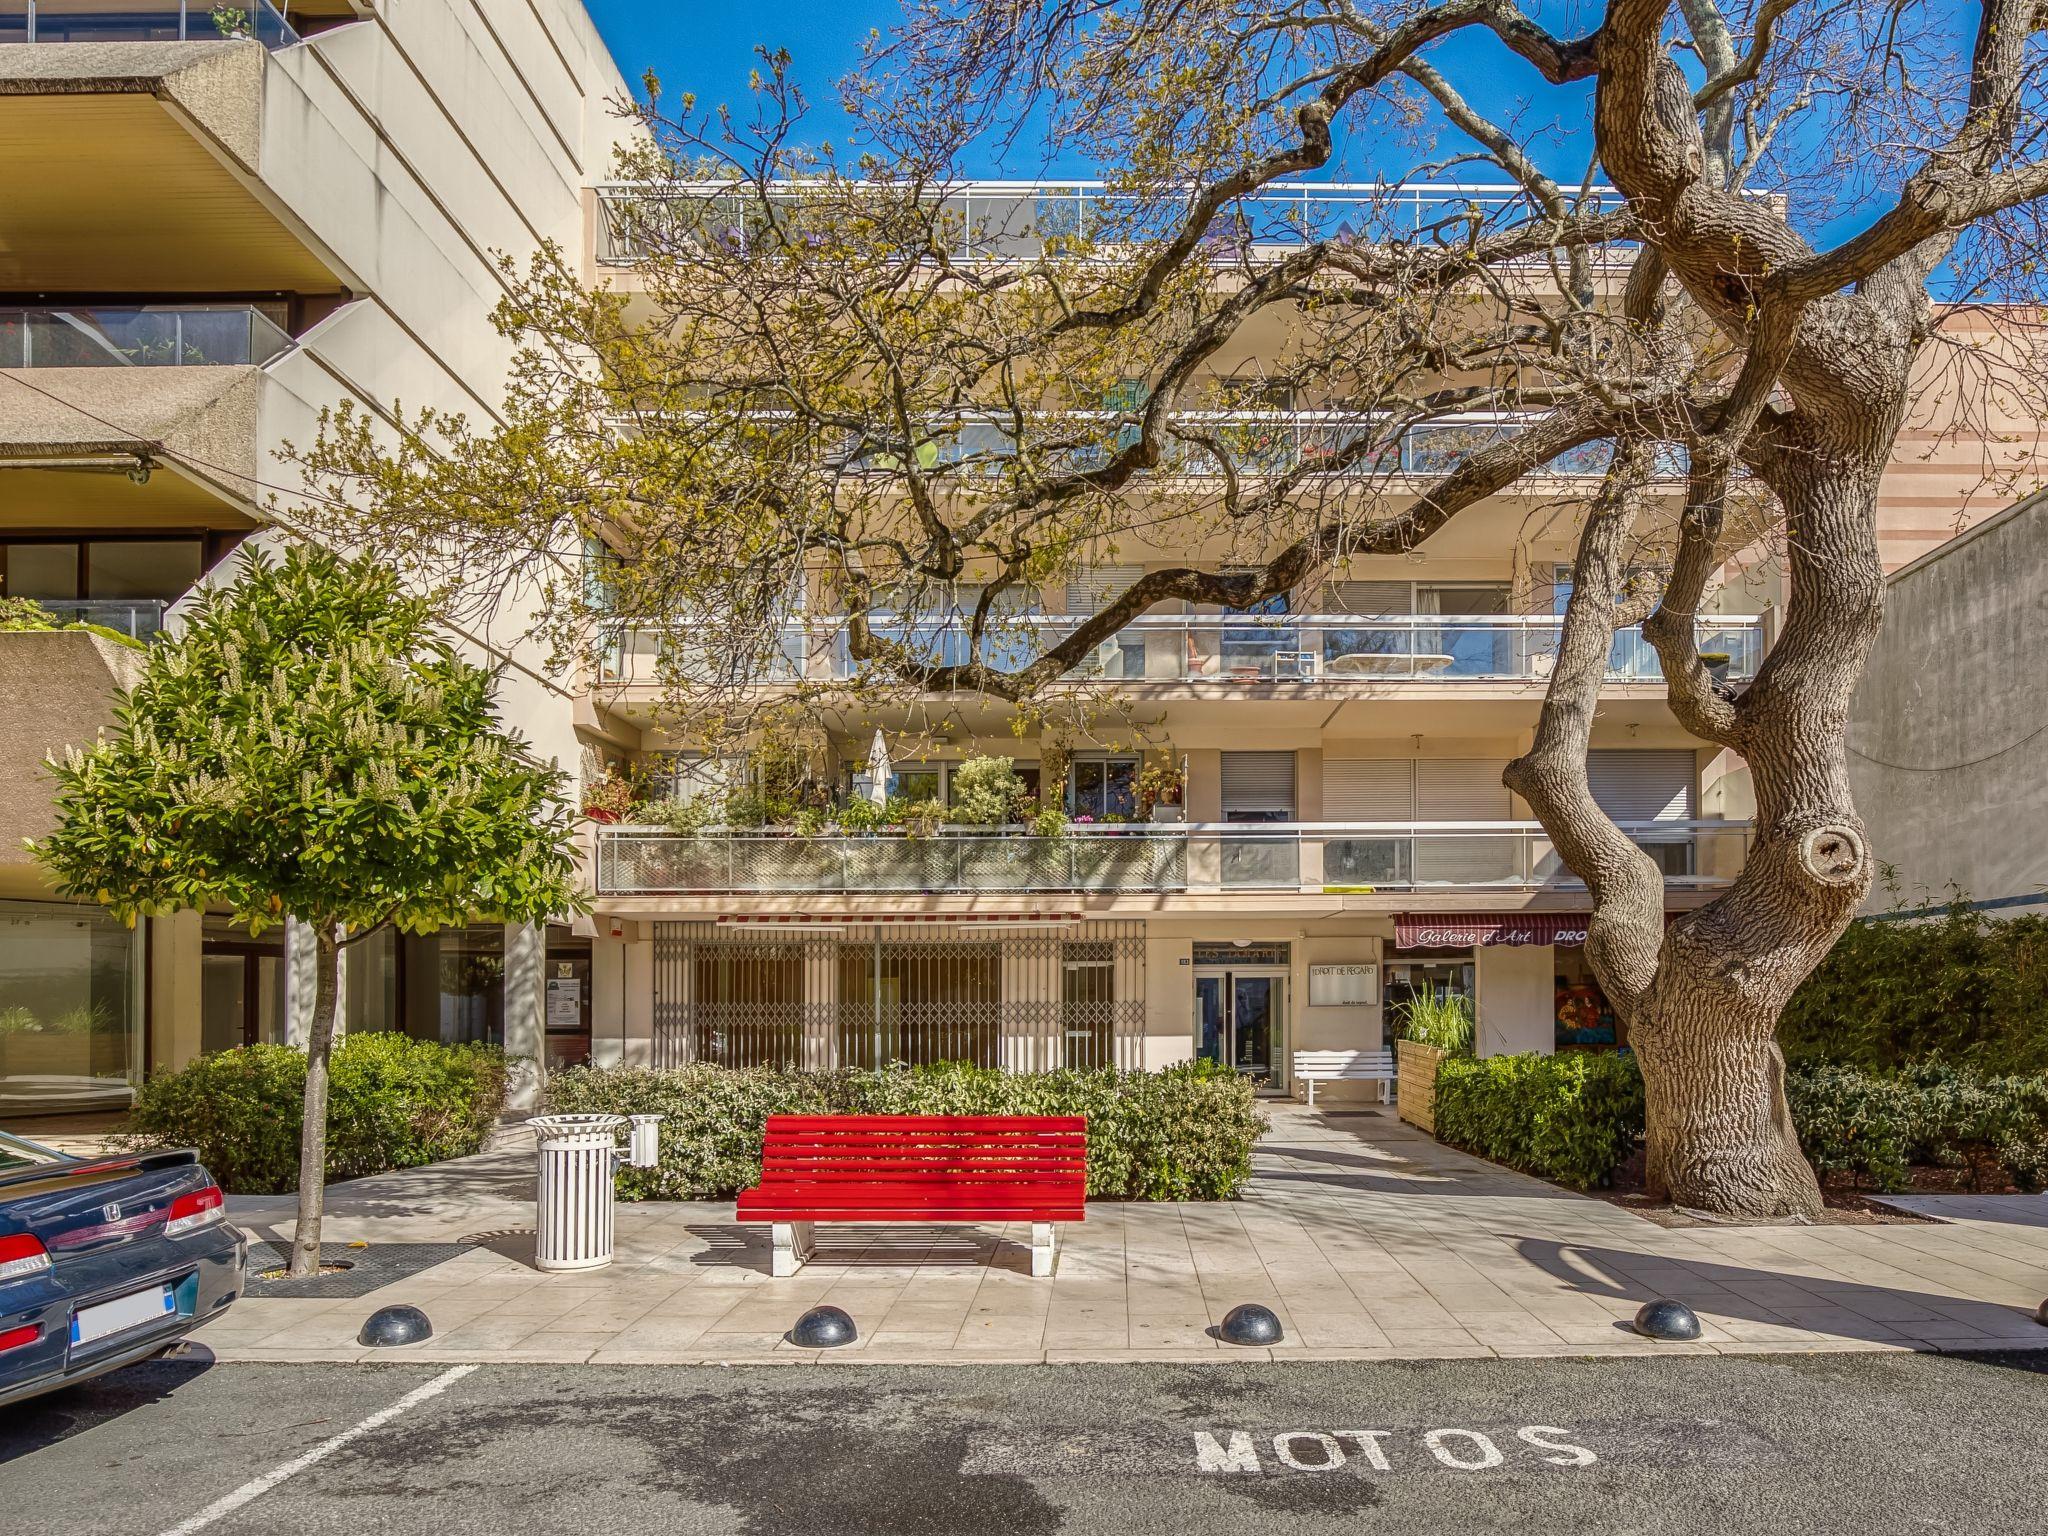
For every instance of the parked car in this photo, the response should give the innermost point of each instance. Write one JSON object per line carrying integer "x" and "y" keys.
{"x": 105, "y": 1260}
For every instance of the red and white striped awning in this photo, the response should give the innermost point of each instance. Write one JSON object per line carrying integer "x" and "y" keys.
{"x": 1471, "y": 930}
{"x": 898, "y": 919}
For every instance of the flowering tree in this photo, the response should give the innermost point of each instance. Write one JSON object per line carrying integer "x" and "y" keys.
{"x": 307, "y": 747}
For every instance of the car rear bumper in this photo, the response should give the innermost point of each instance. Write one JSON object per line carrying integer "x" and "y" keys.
{"x": 205, "y": 1271}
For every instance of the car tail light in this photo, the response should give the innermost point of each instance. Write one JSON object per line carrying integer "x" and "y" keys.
{"x": 201, "y": 1208}
{"x": 22, "y": 1256}
{"x": 14, "y": 1338}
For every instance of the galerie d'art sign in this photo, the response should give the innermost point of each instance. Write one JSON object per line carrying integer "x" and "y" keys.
{"x": 1472, "y": 930}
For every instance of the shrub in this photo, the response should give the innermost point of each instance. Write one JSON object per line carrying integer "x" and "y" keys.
{"x": 1875, "y": 1126}
{"x": 1965, "y": 988}
{"x": 1185, "y": 1133}
{"x": 1572, "y": 1118}
{"x": 393, "y": 1102}
{"x": 986, "y": 792}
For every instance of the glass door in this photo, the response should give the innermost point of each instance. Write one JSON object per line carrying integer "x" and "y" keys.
{"x": 1239, "y": 1017}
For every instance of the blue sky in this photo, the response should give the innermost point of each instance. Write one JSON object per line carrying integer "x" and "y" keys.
{"x": 708, "y": 49}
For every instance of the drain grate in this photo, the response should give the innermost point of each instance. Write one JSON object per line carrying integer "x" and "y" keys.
{"x": 369, "y": 1269}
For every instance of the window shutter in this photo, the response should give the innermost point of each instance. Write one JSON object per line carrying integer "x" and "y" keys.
{"x": 1090, "y": 590}
{"x": 1461, "y": 789}
{"x": 1368, "y": 789}
{"x": 1372, "y": 599}
{"x": 1258, "y": 782}
{"x": 1642, "y": 785}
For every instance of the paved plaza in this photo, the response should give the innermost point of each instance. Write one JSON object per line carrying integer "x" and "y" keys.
{"x": 1370, "y": 1240}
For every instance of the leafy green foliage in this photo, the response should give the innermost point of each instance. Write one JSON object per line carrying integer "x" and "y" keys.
{"x": 1875, "y": 1127}
{"x": 1572, "y": 1118}
{"x": 986, "y": 792}
{"x": 308, "y": 746}
{"x": 394, "y": 1102}
{"x": 1439, "y": 1018}
{"x": 1965, "y": 988}
{"x": 1184, "y": 1133}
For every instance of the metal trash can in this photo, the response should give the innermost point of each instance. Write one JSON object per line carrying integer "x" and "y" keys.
{"x": 573, "y": 1224}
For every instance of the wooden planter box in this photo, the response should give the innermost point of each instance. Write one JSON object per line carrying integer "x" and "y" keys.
{"x": 1415, "y": 1096}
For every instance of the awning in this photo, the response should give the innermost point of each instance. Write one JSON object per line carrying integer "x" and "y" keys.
{"x": 1470, "y": 930}
{"x": 903, "y": 919}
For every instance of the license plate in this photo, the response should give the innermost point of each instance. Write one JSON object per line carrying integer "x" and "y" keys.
{"x": 122, "y": 1313}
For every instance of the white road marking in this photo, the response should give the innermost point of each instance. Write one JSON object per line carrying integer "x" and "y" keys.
{"x": 1572, "y": 1455}
{"x": 1212, "y": 1455}
{"x": 1488, "y": 1453}
{"x": 1331, "y": 1455}
{"x": 256, "y": 1487}
{"x": 1369, "y": 1442}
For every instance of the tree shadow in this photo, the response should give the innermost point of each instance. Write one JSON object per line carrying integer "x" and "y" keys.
{"x": 1758, "y": 1306}
{"x": 864, "y": 1246}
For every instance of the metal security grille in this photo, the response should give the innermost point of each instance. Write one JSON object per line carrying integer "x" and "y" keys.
{"x": 864, "y": 996}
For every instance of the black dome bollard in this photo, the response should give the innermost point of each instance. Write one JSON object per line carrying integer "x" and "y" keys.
{"x": 2041, "y": 1314}
{"x": 823, "y": 1328}
{"x": 388, "y": 1327}
{"x": 1250, "y": 1323}
{"x": 1672, "y": 1321}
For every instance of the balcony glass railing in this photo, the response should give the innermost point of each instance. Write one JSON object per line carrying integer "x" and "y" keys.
{"x": 142, "y": 21}
{"x": 138, "y": 336}
{"x": 140, "y": 617}
{"x": 1222, "y": 649}
{"x": 1018, "y": 220}
{"x": 1140, "y": 858}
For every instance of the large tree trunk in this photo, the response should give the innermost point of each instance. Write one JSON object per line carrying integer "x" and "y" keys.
{"x": 313, "y": 1130}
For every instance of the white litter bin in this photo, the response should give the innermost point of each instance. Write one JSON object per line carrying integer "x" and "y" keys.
{"x": 573, "y": 1223}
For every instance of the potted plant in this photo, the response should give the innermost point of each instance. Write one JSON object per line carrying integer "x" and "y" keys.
{"x": 1161, "y": 788}
{"x": 1716, "y": 663}
{"x": 609, "y": 800}
{"x": 1437, "y": 1024}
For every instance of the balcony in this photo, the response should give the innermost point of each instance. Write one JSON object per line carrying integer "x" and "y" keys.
{"x": 143, "y": 21}
{"x": 1020, "y": 220}
{"x": 1322, "y": 650}
{"x": 1320, "y": 858}
{"x": 139, "y": 336}
{"x": 138, "y": 618}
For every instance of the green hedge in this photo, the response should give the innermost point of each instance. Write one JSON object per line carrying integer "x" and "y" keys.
{"x": 1875, "y": 1126}
{"x": 1185, "y": 1133}
{"x": 1965, "y": 988}
{"x": 1572, "y": 1118}
{"x": 393, "y": 1102}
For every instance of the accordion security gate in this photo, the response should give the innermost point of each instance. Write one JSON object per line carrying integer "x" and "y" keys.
{"x": 1029, "y": 1000}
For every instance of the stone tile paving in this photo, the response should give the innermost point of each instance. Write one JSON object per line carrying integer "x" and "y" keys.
{"x": 1368, "y": 1239}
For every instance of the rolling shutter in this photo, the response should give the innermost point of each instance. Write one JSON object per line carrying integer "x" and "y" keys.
{"x": 1645, "y": 785}
{"x": 1090, "y": 590}
{"x": 1258, "y": 784}
{"x": 1368, "y": 789}
{"x": 1461, "y": 789}
{"x": 1371, "y": 599}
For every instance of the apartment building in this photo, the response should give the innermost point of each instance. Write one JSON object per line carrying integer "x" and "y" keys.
{"x": 218, "y": 221}
{"x": 1342, "y": 841}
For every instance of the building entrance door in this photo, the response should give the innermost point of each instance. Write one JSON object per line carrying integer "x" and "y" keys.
{"x": 1240, "y": 1020}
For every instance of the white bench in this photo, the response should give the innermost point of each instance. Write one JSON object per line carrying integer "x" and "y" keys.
{"x": 1314, "y": 1067}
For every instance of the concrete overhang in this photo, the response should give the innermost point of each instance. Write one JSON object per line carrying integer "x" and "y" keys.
{"x": 132, "y": 167}
{"x": 70, "y": 438}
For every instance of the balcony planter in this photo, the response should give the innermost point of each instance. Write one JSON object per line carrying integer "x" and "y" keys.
{"x": 1169, "y": 815}
{"x": 1415, "y": 1067}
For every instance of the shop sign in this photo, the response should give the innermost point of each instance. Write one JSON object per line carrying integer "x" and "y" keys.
{"x": 1343, "y": 986}
{"x": 1475, "y": 930}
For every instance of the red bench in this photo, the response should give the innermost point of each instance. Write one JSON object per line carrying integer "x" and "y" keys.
{"x": 919, "y": 1168}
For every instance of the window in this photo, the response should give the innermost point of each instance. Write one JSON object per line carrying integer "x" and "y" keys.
{"x": 70, "y": 1008}
{"x": 1100, "y": 786}
{"x": 926, "y": 781}
{"x": 1088, "y": 1005}
{"x": 1258, "y": 786}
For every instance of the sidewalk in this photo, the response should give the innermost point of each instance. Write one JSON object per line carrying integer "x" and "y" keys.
{"x": 1370, "y": 1240}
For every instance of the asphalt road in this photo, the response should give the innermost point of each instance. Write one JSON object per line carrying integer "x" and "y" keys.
{"x": 1779, "y": 1444}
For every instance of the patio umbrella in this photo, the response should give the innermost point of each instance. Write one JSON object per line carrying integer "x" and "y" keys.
{"x": 878, "y": 771}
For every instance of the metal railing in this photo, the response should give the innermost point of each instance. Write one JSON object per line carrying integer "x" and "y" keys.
{"x": 1018, "y": 220}
{"x": 143, "y": 21}
{"x": 1139, "y": 858}
{"x": 138, "y": 336}
{"x": 139, "y": 617}
{"x": 1215, "y": 649}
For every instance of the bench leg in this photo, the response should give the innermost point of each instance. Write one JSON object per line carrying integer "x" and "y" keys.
{"x": 1311, "y": 1092}
{"x": 792, "y": 1246}
{"x": 1045, "y": 1249}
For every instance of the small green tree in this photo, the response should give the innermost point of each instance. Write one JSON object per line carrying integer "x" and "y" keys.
{"x": 309, "y": 747}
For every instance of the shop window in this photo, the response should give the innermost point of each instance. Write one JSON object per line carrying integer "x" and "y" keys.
{"x": 70, "y": 1008}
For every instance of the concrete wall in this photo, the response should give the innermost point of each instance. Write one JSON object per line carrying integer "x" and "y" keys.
{"x": 1945, "y": 755}
{"x": 59, "y": 689}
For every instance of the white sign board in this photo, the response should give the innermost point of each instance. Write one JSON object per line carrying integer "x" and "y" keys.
{"x": 1343, "y": 986}
{"x": 565, "y": 1003}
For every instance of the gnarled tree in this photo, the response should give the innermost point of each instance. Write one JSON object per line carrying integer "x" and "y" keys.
{"x": 871, "y": 396}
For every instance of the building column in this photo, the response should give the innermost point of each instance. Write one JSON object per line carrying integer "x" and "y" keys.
{"x": 607, "y": 1001}
{"x": 1517, "y": 1004}
{"x": 525, "y": 1032}
{"x": 301, "y": 984}
{"x": 176, "y": 990}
